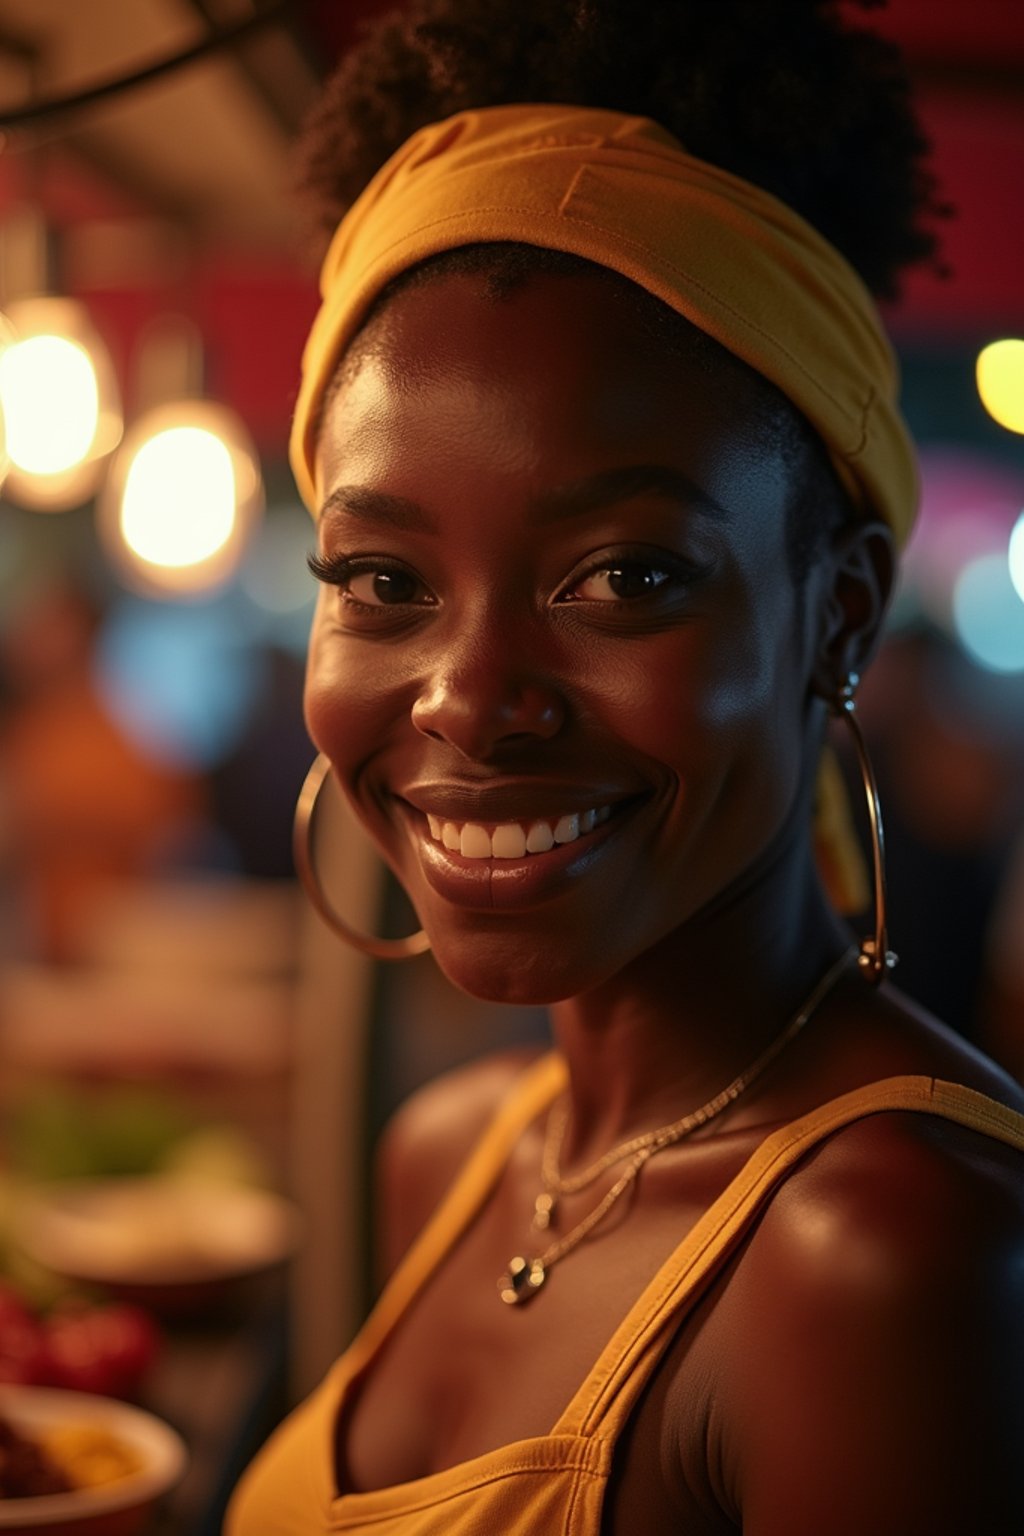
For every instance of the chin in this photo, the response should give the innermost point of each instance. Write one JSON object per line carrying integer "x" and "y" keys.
{"x": 500, "y": 969}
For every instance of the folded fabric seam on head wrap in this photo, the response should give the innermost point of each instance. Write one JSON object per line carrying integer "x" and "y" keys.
{"x": 623, "y": 193}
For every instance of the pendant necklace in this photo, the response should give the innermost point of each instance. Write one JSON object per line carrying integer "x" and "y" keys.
{"x": 524, "y": 1276}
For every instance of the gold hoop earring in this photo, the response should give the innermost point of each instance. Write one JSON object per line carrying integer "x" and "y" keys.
{"x": 367, "y": 943}
{"x": 875, "y": 959}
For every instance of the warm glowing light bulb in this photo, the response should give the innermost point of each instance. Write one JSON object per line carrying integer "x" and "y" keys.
{"x": 1016, "y": 556}
{"x": 179, "y": 501}
{"x": 1000, "y": 374}
{"x": 60, "y": 402}
{"x": 51, "y": 404}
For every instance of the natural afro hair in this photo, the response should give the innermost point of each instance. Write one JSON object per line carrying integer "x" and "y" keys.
{"x": 780, "y": 92}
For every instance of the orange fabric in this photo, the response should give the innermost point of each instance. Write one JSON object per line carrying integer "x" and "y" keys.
{"x": 556, "y": 1482}
{"x": 623, "y": 193}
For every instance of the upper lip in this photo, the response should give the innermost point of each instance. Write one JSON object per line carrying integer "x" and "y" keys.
{"x": 520, "y": 802}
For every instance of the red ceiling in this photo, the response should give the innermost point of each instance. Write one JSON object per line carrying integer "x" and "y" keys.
{"x": 968, "y": 63}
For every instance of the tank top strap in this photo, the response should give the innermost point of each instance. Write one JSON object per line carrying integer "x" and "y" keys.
{"x": 531, "y": 1093}
{"x": 607, "y": 1396}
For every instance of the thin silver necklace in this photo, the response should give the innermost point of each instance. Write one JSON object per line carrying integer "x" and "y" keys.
{"x": 524, "y": 1276}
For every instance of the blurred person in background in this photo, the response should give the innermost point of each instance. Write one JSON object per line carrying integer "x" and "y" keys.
{"x": 83, "y": 807}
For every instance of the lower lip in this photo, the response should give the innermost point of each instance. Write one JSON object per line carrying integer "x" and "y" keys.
{"x": 507, "y": 884}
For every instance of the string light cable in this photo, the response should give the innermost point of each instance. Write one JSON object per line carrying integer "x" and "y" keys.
{"x": 46, "y": 108}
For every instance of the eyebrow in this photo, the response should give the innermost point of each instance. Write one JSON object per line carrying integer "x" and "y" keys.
{"x": 613, "y": 485}
{"x": 377, "y": 507}
{"x": 573, "y": 500}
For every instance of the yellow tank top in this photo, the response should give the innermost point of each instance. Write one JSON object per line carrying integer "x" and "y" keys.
{"x": 552, "y": 1485}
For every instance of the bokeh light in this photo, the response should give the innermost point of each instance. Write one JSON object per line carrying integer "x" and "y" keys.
{"x": 1000, "y": 375}
{"x": 60, "y": 403}
{"x": 181, "y": 682}
{"x": 969, "y": 503}
{"x": 51, "y": 403}
{"x": 1016, "y": 556}
{"x": 179, "y": 497}
{"x": 182, "y": 498}
{"x": 989, "y": 615}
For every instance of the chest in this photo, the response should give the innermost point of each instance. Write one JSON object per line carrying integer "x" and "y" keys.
{"x": 463, "y": 1373}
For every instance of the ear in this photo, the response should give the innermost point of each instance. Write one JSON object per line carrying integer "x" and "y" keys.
{"x": 856, "y": 580}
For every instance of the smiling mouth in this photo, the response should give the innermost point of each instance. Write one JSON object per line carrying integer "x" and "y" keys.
{"x": 514, "y": 839}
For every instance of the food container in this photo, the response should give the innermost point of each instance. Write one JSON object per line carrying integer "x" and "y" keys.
{"x": 120, "y": 1508}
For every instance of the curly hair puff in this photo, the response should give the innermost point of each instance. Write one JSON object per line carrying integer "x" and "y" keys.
{"x": 781, "y": 92}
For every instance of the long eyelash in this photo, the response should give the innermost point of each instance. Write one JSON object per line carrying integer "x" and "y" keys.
{"x": 340, "y": 570}
{"x": 333, "y": 569}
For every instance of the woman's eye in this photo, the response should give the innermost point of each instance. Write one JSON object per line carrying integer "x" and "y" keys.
{"x": 619, "y": 582}
{"x": 370, "y": 583}
{"x": 382, "y": 587}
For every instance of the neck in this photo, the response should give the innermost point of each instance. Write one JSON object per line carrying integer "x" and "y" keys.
{"x": 686, "y": 1017}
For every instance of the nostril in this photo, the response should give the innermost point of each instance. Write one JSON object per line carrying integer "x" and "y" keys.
{"x": 477, "y": 719}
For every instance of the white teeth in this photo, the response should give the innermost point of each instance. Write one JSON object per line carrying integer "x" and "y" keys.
{"x": 540, "y": 838}
{"x": 476, "y": 842}
{"x": 508, "y": 841}
{"x": 512, "y": 840}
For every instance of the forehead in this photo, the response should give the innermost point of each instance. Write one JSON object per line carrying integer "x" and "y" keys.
{"x": 529, "y": 381}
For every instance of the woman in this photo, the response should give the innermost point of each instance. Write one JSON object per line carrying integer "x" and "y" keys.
{"x": 608, "y": 476}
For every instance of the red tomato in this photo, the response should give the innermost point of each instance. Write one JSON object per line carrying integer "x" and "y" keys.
{"x": 100, "y": 1349}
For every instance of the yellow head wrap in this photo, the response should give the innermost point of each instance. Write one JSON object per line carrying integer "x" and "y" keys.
{"x": 620, "y": 191}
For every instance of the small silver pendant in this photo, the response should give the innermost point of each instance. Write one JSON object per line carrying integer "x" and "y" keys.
{"x": 522, "y": 1279}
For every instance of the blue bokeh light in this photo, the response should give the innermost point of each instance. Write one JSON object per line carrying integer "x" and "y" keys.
{"x": 181, "y": 681}
{"x": 989, "y": 615}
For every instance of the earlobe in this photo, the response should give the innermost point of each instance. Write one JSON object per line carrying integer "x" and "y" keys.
{"x": 858, "y": 585}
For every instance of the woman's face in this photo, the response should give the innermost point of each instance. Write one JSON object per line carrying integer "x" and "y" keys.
{"x": 558, "y": 615}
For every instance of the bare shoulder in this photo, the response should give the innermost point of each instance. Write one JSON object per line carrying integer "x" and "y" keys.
{"x": 888, "y": 1197}
{"x": 429, "y": 1137}
{"x": 878, "y": 1325}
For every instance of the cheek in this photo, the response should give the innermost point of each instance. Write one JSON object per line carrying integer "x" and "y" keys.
{"x": 702, "y": 694}
{"x": 347, "y": 699}
{"x": 717, "y": 710}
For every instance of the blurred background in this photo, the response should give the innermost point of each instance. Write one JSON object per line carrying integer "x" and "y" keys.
{"x": 169, "y": 1013}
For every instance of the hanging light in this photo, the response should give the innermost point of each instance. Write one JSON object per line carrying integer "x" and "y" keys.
{"x": 180, "y": 499}
{"x": 58, "y": 391}
{"x": 60, "y": 403}
{"x": 185, "y": 487}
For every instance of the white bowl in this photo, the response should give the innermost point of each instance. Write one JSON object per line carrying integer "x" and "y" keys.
{"x": 160, "y": 1231}
{"x": 121, "y": 1506}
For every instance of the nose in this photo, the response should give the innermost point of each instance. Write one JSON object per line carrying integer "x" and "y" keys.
{"x": 484, "y": 703}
